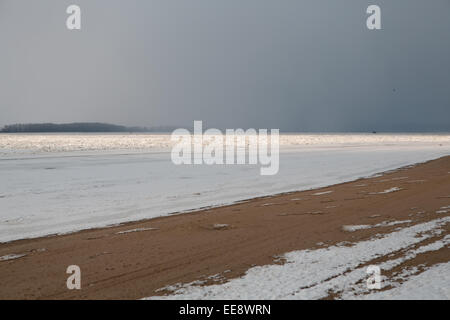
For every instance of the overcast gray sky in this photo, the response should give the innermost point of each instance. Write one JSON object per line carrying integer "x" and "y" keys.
{"x": 290, "y": 64}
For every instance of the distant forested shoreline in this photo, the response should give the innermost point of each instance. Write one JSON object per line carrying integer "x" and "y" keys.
{"x": 78, "y": 127}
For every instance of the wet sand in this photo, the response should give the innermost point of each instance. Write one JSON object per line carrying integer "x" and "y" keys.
{"x": 133, "y": 260}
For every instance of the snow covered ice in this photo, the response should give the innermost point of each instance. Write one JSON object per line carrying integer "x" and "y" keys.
{"x": 52, "y": 184}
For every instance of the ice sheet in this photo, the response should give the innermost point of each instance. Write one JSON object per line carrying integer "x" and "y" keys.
{"x": 63, "y": 183}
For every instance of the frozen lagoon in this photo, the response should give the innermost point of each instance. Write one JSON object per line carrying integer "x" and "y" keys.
{"x": 62, "y": 183}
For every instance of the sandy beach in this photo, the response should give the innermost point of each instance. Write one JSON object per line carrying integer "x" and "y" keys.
{"x": 214, "y": 245}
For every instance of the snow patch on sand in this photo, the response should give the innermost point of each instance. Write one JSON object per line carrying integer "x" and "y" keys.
{"x": 432, "y": 284}
{"x": 322, "y": 193}
{"x": 312, "y": 274}
{"x": 393, "y": 189}
{"x": 443, "y": 210}
{"x": 220, "y": 226}
{"x": 353, "y": 228}
{"x": 12, "y": 256}
{"x": 136, "y": 230}
{"x": 360, "y": 289}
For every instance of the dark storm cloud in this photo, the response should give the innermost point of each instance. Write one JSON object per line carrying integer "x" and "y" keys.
{"x": 295, "y": 65}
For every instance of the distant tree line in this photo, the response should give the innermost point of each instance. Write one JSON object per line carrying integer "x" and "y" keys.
{"x": 79, "y": 127}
